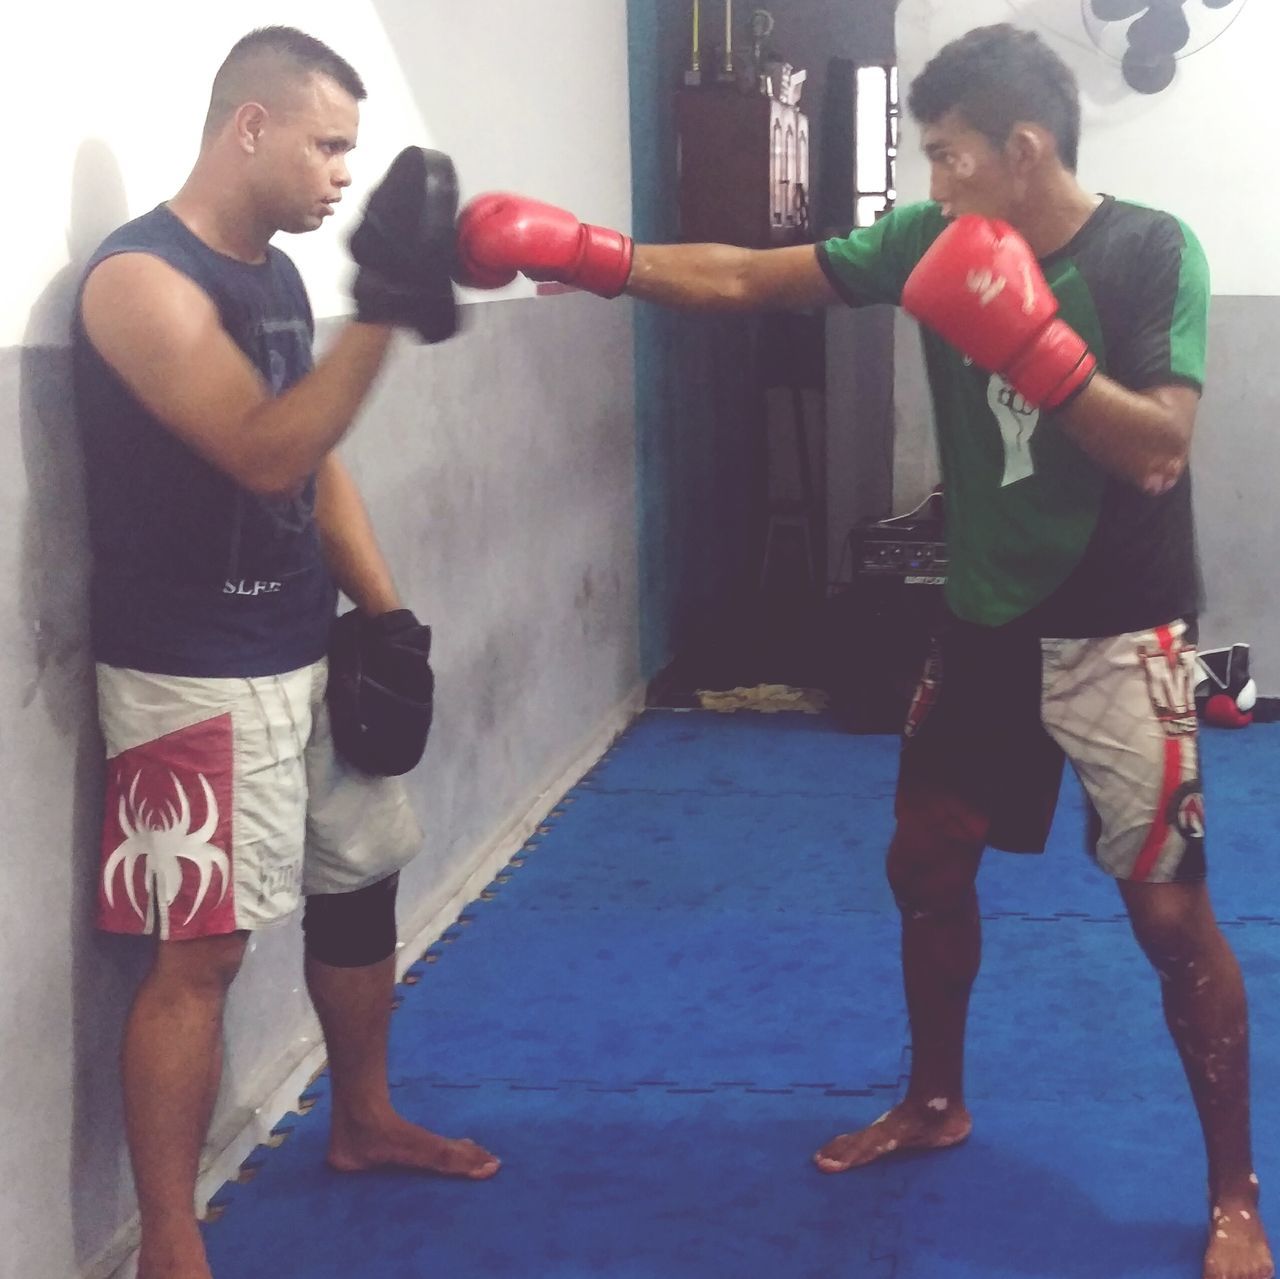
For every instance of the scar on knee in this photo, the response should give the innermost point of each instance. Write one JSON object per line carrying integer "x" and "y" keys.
{"x": 938, "y": 1103}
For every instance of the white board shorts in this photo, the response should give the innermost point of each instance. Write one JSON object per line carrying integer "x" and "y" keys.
{"x": 226, "y": 802}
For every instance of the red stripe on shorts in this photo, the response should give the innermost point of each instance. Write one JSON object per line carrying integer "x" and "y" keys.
{"x": 1172, "y": 779}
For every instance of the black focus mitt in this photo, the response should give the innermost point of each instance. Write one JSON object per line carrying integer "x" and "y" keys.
{"x": 405, "y": 246}
{"x": 381, "y": 690}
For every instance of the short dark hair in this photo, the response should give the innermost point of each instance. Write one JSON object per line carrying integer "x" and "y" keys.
{"x": 268, "y": 58}
{"x": 997, "y": 77}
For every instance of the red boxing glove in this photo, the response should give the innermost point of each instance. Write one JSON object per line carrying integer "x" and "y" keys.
{"x": 980, "y": 287}
{"x": 1232, "y": 691}
{"x": 1223, "y": 711}
{"x": 500, "y": 235}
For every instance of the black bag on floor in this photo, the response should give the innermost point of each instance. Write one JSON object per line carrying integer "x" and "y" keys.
{"x": 381, "y": 690}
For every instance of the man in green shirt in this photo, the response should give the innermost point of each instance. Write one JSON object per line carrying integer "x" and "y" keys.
{"x": 1065, "y": 343}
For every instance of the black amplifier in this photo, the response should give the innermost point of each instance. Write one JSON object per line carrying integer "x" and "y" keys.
{"x": 915, "y": 551}
{"x": 881, "y": 623}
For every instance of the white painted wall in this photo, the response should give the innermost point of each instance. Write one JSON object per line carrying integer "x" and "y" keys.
{"x": 122, "y": 89}
{"x": 499, "y": 473}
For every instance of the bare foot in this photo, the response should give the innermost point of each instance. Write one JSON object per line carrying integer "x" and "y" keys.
{"x": 397, "y": 1143}
{"x": 173, "y": 1254}
{"x": 1237, "y": 1244}
{"x": 908, "y": 1126}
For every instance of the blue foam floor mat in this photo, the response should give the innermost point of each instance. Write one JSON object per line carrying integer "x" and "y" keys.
{"x": 682, "y": 850}
{"x": 688, "y": 980}
{"x": 760, "y": 754}
{"x": 1072, "y": 1009}
{"x": 614, "y": 998}
{"x": 643, "y": 851}
{"x": 1064, "y": 1190}
{"x": 639, "y": 1185}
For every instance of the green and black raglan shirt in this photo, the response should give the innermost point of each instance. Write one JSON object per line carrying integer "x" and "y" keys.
{"x": 1035, "y": 529}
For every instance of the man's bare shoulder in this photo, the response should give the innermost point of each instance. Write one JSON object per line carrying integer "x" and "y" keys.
{"x": 135, "y": 305}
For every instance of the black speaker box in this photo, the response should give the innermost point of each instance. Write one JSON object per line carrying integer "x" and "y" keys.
{"x": 880, "y": 625}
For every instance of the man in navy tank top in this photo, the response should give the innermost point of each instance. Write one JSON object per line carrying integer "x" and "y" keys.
{"x": 223, "y": 526}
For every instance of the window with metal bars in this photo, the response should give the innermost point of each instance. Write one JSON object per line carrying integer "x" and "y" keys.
{"x": 875, "y": 143}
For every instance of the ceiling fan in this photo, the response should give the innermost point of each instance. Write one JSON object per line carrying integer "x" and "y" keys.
{"x": 1158, "y": 32}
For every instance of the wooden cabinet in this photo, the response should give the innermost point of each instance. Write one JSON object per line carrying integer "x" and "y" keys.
{"x": 744, "y": 169}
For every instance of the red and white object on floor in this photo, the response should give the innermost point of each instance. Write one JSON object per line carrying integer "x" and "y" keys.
{"x": 1226, "y": 693}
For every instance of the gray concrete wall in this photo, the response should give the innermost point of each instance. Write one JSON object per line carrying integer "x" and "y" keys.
{"x": 1235, "y": 460}
{"x": 500, "y": 473}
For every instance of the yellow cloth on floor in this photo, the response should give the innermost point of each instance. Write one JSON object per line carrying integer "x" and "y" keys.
{"x": 764, "y": 697}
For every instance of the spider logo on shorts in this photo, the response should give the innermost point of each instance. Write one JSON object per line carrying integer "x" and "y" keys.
{"x": 162, "y": 841}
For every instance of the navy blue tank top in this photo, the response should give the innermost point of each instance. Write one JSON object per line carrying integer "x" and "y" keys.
{"x": 193, "y": 574}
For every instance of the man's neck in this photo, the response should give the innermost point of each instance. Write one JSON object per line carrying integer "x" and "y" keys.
{"x": 1054, "y": 215}
{"x": 208, "y": 206}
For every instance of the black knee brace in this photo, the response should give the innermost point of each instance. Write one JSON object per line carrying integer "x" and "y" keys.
{"x": 352, "y": 930}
